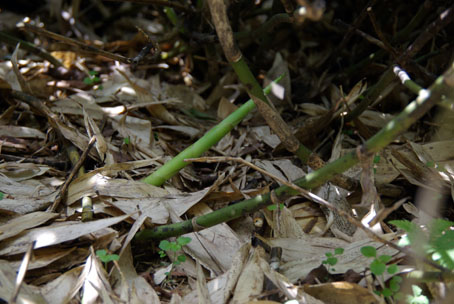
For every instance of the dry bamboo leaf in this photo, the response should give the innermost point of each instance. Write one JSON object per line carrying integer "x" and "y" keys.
{"x": 250, "y": 282}
{"x": 100, "y": 144}
{"x": 285, "y": 286}
{"x": 95, "y": 283}
{"x": 185, "y": 130}
{"x": 225, "y": 108}
{"x": 235, "y": 270}
{"x": 22, "y": 132}
{"x": 263, "y": 134}
{"x": 138, "y": 130}
{"x": 176, "y": 299}
{"x": 102, "y": 185}
{"x": 280, "y": 92}
{"x": 285, "y": 225}
{"x": 128, "y": 284}
{"x": 309, "y": 217}
{"x": 155, "y": 209}
{"x": 23, "y": 171}
{"x": 189, "y": 99}
{"x": 215, "y": 289}
{"x": 369, "y": 196}
{"x": 23, "y": 83}
{"x": 304, "y": 254}
{"x": 21, "y": 223}
{"x": 313, "y": 109}
{"x": 290, "y": 171}
{"x": 44, "y": 256}
{"x": 268, "y": 166}
{"x": 341, "y": 293}
{"x": 74, "y": 104}
{"x": 56, "y": 234}
{"x": 158, "y": 110}
{"x": 202, "y": 289}
{"x": 375, "y": 119}
{"x": 8, "y": 76}
{"x": 161, "y": 274}
{"x": 20, "y": 189}
{"x": 214, "y": 247}
{"x": 23, "y": 198}
{"x": 24, "y": 205}
{"x": 27, "y": 294}
{"x": 57, "y": 290}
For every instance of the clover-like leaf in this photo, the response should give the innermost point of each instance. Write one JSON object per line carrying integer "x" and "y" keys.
{"x": 394, "y": 283}
{"x": 181, "y": 258}
{"x": 183, "y": 240}
{"x": 339, "y": 251}
{"x": 164, "y": 245}
{"x": 369, "y": 251}
{"x": 377, "y": 267}
{"x": 387, "y": 292}
{"x": 392, "y": 269}
{"x": 385, "y": 258}
{"x": 332, "y": 261}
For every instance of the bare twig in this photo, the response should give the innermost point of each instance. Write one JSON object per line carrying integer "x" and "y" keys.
{"x": 83, "y": 47}
{"x": 73, "y": 173}
{"x": 173, "y": 4}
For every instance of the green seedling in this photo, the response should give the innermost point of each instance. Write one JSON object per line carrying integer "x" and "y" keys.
{"x": 2, "y": 195}
{"x": 92, "y": 79}
{"x": 376, "y": 161}
{"x": 106, "y": 257}
{"x": 174, "y": 247}
{"x": 437, "y": 242}
{"x": 378, "y": 267}
{"x": 331, "y": 259}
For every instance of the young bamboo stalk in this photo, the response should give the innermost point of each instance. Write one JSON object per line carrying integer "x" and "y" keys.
{"x": 202, "y": 145}
{"x": 266, "y": 109}
{"x": 441, "y": 89}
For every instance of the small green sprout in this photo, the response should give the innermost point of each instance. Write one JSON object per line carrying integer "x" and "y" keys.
{"x": 378, "y": 268}
{"x": 106, "y": 257}
{"x": 92, "y": 79}
{"x": 331, "y": 260}
{"x": 174, "y": 247}
{"x": 376, "y": 159}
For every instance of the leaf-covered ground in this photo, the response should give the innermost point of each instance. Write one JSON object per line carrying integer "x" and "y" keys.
{"x": 96, "y": 96}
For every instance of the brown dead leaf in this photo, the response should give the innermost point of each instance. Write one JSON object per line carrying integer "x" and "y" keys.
{"x": 202, "y": 289}
{"x": 26, "y": 294}
{"x": 306, "y": 253}
{"x": 280, "y": 92}
{"x": 131, "y": 287}
{"x": 57, "y": 291}
{"x": 341, "y": 293}
{"x": 21, "y": 223}
{"x": 250, "y": 282}
{"x": 225, "y": 108}
{"x": 144, "y": 95}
